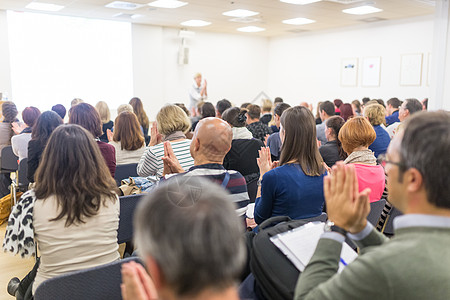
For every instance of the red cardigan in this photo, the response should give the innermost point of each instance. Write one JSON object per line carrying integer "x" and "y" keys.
{"x": 109, "y": 154}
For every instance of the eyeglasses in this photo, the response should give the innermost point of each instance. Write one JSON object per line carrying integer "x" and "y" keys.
{"x": 382, "y": 161}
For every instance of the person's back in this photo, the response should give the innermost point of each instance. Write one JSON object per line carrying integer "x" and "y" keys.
{"x": 242, "y": 156}
{"x": 381, "y": 143}
{"x": 371, "y": 177}
{"x": 330, "y": 152}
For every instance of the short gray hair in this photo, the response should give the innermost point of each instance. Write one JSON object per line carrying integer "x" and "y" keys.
{"x": 190, "y": 229}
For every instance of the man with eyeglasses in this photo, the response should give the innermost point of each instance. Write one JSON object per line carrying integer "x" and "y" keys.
{"x": 415, "y": 263}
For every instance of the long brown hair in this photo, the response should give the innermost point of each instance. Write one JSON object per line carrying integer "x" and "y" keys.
{"x": 138, "y": 108}
{"x": 87, "y": 117}
{"x": 128, "y": 132}
{"x": 335, "y": 123}
{"x": 300, "y": 144}
{"x": 73, "y": 169}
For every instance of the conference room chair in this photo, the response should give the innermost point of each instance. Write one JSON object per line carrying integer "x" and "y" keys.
{"x": 127, "y": 207}
{"x": 375, "y": 211}
{"x": 125, "y": 171}
{"x": 8, "y": 161}
{"x": 388, "y": 228}
{"x": 22, "y": 176}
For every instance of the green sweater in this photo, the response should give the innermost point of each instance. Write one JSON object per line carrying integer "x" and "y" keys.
{"x": 415, "y": 264}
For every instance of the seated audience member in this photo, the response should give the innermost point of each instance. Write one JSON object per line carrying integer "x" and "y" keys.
{"x": 126, "y": 107}
{"x": 184, "y": 108}
{"x": 207, "y": 110}
{"x": 295, "y": 188}
{"x": 392, "y": 110}
{"x": 45, "y": 124}
{"x": 337, "y": 105}
{"x": 60, "y": 110}
{"x": 76, "y": 101}
{"x": 332, "y": 151}
{"x": 197, "y": 114}
{"x": 274, "y": 141}
{"x": 72, "y": 212}
{"x": 266, "y": 109}
{"x": 6, "y": 133}
{"x": 317, "y": 116}
{"x": 415, "y": 263}
{"x": 127, "y": 139}
{"x": 425, "y": 104}
{"x": 138, "y": 109}
{"x": 381, "y": 102}
{"x": 172, "y": 124}
{"x": 364, "y": 101}
{"x": 87, "y": 117}
{"x": 346, "y": 111}
{"x": 105, "y": 116}
{"x": 356, "y": 106}
{"x": 356, "y": 135}
{"x": 210, "y": 143}
{"x": 278, "y": 100}
{"x": 375, "y": 113}
{"x": 19, "y": 142}
{"x": 245, "y": 104}
{"x": 185, "y": 261}
{"x": 326, "y": 111}
{"x": 254, "y": 125}
{"x": 222, "y": 106}
{"x": 408, "y": 108}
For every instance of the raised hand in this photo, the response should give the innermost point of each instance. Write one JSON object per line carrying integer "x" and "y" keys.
{"x": 155, "y": 136}
{"x": 18, "y": 128}
{"x": 264, "y": 161}
{"x": 136, "y": 283}
{"x": 171, "y": 163}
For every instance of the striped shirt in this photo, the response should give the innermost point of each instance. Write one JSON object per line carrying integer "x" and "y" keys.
{"x": 236, "y": 186}
{"x": 151, "y": 163}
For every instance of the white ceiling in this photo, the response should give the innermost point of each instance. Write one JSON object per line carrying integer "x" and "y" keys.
{"x": 326, "y": 13}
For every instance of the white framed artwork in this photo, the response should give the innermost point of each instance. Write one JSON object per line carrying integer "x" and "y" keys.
{"x": 411, "y": 69}
{"x": 349, "y": 72}
{"x": 371, "y": 67}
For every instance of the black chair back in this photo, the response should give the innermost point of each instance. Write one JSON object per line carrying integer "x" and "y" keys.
{"x": 127, "y": 206}
{"x": 389, "y": 225}
{"x": 8, "y": 160}
{"x": 375, "y": 211}
{"x": 22, "y": 178}
{"x": 125, "y": 171}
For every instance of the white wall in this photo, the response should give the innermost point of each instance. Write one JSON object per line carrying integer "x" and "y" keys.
{"x": 5, "y": 69}
{"x": 306, "y": 67}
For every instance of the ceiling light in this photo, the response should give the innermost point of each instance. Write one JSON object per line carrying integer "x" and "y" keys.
{"x": 44, "y": 6}
{"x": 362, "y": 10}
{"x": 298, "y": 21}
{"x": 299, "y": 2}
{"x": 240, "y": 13}
{"x": 123, "y": 5}
{"x": 167, "y": 3}
{"x": 251, "y": 29}
{"x": 195, "y": 23}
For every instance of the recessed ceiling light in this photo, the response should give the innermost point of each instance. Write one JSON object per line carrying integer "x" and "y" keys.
{"x": 167, "y": 3}
{"x": 195, "y": 23}
{"x": 240, "y": 13}
{"x": 299, "y": 2}
{"x": 298, "y": 21}
{"x": 362, "y": 10}
{"x": 251, "y": 29}
{"x": 123, "y": 5}
{"x": 44, "y": 6}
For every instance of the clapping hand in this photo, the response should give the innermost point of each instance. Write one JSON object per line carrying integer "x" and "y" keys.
{"x": 264, "y": 161}
{"x": 155, "y": 136}
{"x": 171, "y": 163}
{"x": 18, "y": 128}
{"x": 136, "y": 283}
{"x": 109, "y": 134}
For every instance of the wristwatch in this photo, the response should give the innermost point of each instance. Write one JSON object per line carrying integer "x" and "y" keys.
{"x": 330, "y": 227}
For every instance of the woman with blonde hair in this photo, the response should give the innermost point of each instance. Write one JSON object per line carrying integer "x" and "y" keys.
{"x": 105, "y": 116}
{"x": 138, "y": 109}
{"x": 171, "y": 125}
{"x": 375, "y": 113}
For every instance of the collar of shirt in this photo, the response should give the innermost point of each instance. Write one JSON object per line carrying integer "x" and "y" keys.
{"x": 208, "y": 166}
{"x": 418, "y": 220}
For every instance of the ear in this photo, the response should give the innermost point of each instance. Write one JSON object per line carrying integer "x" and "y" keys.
{"x": 414, "y": 180}
{"x": 155, "y": 272}
{"x": 196, "y": 142}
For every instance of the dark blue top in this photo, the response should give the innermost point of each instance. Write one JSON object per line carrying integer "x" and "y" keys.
{"x": 287, "y": 191}
{"x": 381, "y": 143}
{"x": 392, "y": 118}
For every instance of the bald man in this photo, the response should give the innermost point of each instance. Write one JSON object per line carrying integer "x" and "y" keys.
{"x": 210, "y": 143}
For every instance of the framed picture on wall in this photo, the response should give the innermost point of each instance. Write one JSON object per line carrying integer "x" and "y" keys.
{"x": 371, "y": 67}
{"x": 411, "y": 69}
{"x": 349, "y": 72}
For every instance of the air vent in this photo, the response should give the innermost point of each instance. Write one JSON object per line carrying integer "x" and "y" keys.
{"x": 124, "y": 5}
{"x": 346, "y": 1}
{"x": 297, "y": 31}
{"x": 128, "y": 16}
{"x": 245, "y": 20}
{"x": 373, "y": 19}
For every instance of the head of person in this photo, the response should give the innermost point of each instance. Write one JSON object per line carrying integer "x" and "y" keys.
{"x": 253, "y": 114}
{"x": 198, "y": 79}
{"x": 326, "y": 110}
{"x": 338, "y": 103}
{"x": 222, "y": 106}
{"x": 346, "y": 111}
{"x": 304, "y": 104}
{"x": 425, "y": 104}
{"x": 183, "y": 107}
{"x": 381, "y": 102}
{"x": 124, "y": 107}
{"x": 10, "y": 112}
{"x": 198, "y": 112}
{"x": 127, "y": 131}
{"x": 80, "y": 188}
{"x": 277, "y": 100}
{"x": 365, "y": 100}
{"x": 44, "y": 126}
{"x": 138, "y": 109}
{"x": 208, "y": 110}
{"x": 393, "y": 105}
{"x": 266, "y": 106}
{"x": 76, "y": 101}
{"x": 375, "y": 113}
{"x": 356, "y": 105}
{"x": 60, "y": 110}
{"x": 235, "y": 116}
{"x": 418, "y": 166}
{"x": 86, "y": 116}
{"x": 103, "y": 111}
{"x": 298, "y": 138}
{"x": 318, "y": 110}
{"x": 408, "y": 108}
{"x": 176, "y": 230}
{"x": 30, "y": 115}
{"x": 356, "y": 134}
{"x": 278, "y": 111}
{"x": 211, "y": 141}
{"x": 172, "y": 118}
{"x": 332, "y": 129}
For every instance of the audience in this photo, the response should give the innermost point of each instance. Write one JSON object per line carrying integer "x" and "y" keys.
{"x": 277, "y": 100}
{"x": 138, "y": 109}
{"x": 222, "y": 106}
{"x": 207, "y": 110}
{"x": 184, "y": 108}
{"x": 19, "y": 142}
{"x": 414, "y": 264}
{"x": 326, "y": 110}
{"x": 87, "y": 117}
{"x": 381, "y": 102}
{"x": 375, "y": 113}
{"x": 126, "y": 107}
{"x": 72, "y": 213}
{"x": 392, "y": 110}
{"x": 75, "y": 101}
{"x": 356, "y": 135}
{"x": 331, "y": 151}
{"x": 190, "y": 242}
{"x": 357, "y": 110}
{"x": 254, "y": 125}
{"x": 408, "y": 108}
{"x": 337, "y": 105}
{"x": 266, "y": 109}
{"x": 127, "y": 139}
{"x": 317, "y": 116}
{"x": 105, "y": 117}
{"x": 295, "y": 188}
{"x": 274, "y": 141}
{"x": 346, "y": 111}
{"x": 171, "y": 125}
{"x": 245, "y": 104}
{"x": 60, "y": 110}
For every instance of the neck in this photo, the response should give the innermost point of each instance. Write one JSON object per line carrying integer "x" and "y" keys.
{"x": 419, "y": 205}
{"x": 202, "y": 160}
{"x": 251, "y": 121}
{"x": 208, "y": 294}
{"x": 362, "y": 148}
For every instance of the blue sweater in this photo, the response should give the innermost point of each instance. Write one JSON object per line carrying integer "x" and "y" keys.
{"x": 381, "y": 143}
{"x": 287, "y": 191}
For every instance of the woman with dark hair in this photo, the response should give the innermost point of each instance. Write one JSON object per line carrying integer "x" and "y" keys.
{"x": 138, "y": 109}
{"x": 337, "y": 105}
{"x": 19, "y": 142}
{"x": 127, "y": 139}
{"x": 207, "y": 110}
{"x": 295, "y": 188}
{"x": 274, "y": 141}
{"x": 10, "y": 113}
{"x": 45, "y": 124}
{"x": 332, "y": 151}
{"x": 72, "y": 212}
{"x": 87, "y": 117}
{"x": 346, "y": 111}
{"x": 356, "y": 106}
